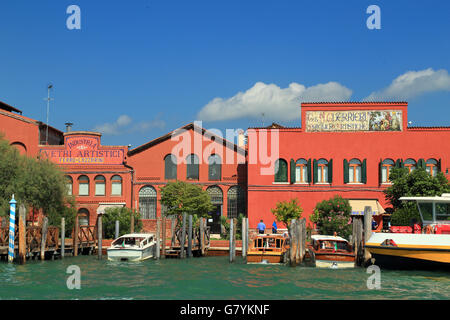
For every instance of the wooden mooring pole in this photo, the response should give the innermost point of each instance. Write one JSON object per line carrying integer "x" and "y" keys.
{"x": 75, "y": 237}
{"x": 99, "y": 235}
{"x": 158, "y": 238}
{"x": 172, "y": 230}
{"x": 231, "y": 243}
{"x": 189, "y": 248}
{"x": 357, "y": 240}
{"x": 244, "y": 237}
{"x": 163, "y": 236}
{"x": 63, "y": 237}
{"x": 368, "y": 216}
{"x": 301, "y": 240}
{"x": 44, "y": 237}
{"x": 183, "y": 237}
{"x": 202, "y": 236}
{"x": 293, "y": 244}
{"x": 22, "y": 235}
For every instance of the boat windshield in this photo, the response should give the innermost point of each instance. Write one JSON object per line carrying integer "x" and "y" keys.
{"x": 426, "y": 210}
{"x": 129, "y": 241}
{"x": 443, "y": 211}
{"x": 339, "y": 245}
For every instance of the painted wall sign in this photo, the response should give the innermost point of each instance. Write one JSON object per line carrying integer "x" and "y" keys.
{"x": 84, "y": 150}
{"x": 354, "y": 120}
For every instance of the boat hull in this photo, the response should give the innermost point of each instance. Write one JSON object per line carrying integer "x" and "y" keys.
{"x": 130, "y": 254}
{"x": 411, "y": 251}
{"x": 335, "y": 264}
{"x": 265, "y": 258}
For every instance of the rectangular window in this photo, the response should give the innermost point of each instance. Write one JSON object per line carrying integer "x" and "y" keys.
{"x": 443, "y": 211}
{"x": 83, "y": 189}
{"x": 354, "y": 174}
{"x": 69, "y": 189}
{"x": 426, "y": 210}
{"x": 99, "y": 189}
{"x": 384, "y": 174}
{"x": 322, "y": 174}
{"x": 301, "y": 173}
{"x": 116, "y": 189}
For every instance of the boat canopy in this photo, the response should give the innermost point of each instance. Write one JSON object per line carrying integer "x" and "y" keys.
{"x": 319, "y": 237}
{"x": 432, "y": 209}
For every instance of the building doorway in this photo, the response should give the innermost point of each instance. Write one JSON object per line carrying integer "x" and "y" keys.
{"x": 216, "y": 195}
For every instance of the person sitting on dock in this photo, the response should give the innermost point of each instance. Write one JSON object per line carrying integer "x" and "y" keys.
{"x": 261, "y": 227}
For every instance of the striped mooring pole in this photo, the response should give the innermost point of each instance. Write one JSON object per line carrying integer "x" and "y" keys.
{"x": 12, "y": 226}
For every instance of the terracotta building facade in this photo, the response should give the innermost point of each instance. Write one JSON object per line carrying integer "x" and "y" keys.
{"x": 345, "y": 149}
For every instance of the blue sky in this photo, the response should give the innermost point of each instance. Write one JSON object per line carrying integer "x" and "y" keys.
{"x": 139, "y": 69}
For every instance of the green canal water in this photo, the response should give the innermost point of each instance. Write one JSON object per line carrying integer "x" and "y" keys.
{"x": 210, "y": 278}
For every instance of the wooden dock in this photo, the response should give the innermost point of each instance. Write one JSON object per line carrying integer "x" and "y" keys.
{"x": 87, "y": 242}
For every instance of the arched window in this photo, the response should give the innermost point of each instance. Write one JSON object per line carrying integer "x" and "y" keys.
{"x": 281, "y": 171}
{"x": 83, "y": 186}
{"x": 386, "y": 167}
{"x": 301, "y": 171}
{"x": 69, "y": 185}
{"x": 322, "y": 171}
{"x": 354, "y": 168}
{"x": 116, "y": 185}
{"x": 216, "y": 195}
{"x": 214, "y": 167}
{"x": 192, "y": 170}
{"x": 83, "y": 217}
{"x": 170, "y": 167}
{"x": 147, "y": 202}
{"x": 410, "y": 164}
{"x": 100, "y": 185}
{"x": 432, "y": 167}
{"x": 236, "y": 202}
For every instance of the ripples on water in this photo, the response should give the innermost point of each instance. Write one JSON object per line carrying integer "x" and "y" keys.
{"x": 210, "y": 278}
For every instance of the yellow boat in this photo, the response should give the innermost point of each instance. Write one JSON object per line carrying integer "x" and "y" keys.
{"x": 427, "y": 250}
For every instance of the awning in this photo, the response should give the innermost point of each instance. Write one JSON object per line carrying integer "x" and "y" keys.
{"x": 102, "y": 206}
{"x": 359, "y": 205}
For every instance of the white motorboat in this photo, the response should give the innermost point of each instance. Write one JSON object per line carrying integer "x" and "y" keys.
{"x": 427, "y": 250}
{"x": 132, "y": 247}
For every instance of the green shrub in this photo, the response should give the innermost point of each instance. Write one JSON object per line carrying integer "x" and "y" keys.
{"x": 333, "y": 215}
{"x": 123, "y": 215}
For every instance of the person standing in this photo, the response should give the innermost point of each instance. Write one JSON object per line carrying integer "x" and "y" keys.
{"x": 261, "y": 227}
{"x": 274, "y": 227}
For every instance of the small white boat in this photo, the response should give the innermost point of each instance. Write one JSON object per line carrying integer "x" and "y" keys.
{"x": 132, "y": 247}
{"x": 330, "y": 252}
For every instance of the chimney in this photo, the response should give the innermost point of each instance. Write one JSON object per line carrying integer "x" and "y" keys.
{"x": 241, "y": 139}
{"x": 68, "y": 126}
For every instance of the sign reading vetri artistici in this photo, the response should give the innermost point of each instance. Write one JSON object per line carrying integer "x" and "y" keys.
{"x": 354, "y": 120}
{"x": 84, "y": 150}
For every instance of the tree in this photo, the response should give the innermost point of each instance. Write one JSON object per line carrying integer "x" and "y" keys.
{"x": 333, "y": 215}
{"x": 415, "y": 184}
{"x": 123, "y": 215}
{"x": 35, "y": 183}
{"x": 285, "y": 211}
{"x": 180, "y": 197}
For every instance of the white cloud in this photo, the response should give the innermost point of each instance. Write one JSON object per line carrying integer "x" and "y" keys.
{"x": 124, "y": 124}
{"x": 276, "y": 103}
{"x": 412, "y": 84}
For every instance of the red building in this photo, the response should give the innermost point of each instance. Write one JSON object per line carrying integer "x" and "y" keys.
{"x": 342, "y": 149}
{"x": 24, "y": 133}
{"x": 194, "y": 155}
{"x": 98, "y": 176}
{"x": 345, "y": 149}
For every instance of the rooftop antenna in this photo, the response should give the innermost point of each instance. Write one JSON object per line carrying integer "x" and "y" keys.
{"x": 262, "y": 119}
{"x": 50, "y": 86}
